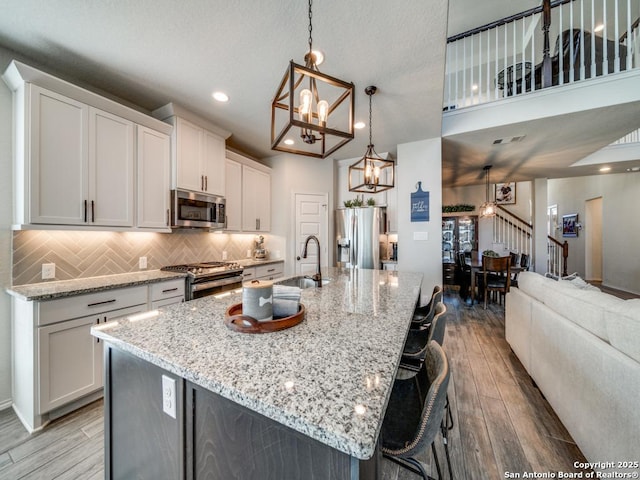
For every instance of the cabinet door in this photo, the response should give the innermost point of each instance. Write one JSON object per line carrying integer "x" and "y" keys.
{"x": 189, "y": 138}
{"x": 256, "y": 200}
{"x": 233, "y": 187}
{"x": 111, "y": 169}
{"x": 214, "y": 164}
{"x": 153, "y": 163}
{"x": 69, "y": 361}
{"x": 58, "y": 153}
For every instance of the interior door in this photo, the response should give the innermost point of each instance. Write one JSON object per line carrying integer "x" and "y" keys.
{"x": 312, "y": 218}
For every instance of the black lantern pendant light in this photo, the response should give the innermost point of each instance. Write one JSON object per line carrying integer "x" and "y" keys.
{"x": 372, "y": 173}
{"x": 311, "y": 113}
{"x": 489, "y": 207}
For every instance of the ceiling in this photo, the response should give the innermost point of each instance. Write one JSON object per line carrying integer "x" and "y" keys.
{"x": 152, "y": 52}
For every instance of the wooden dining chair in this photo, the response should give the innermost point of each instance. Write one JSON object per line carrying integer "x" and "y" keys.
{"x": 496, "y": 275}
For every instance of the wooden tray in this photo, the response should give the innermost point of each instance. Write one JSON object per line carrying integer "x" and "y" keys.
{"x": 236, "y": 321}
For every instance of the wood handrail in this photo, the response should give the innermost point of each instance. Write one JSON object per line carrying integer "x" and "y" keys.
{"x": 504, "y": 21}
{"x": 500, "y": 207}
{"x": 634, "y": 25}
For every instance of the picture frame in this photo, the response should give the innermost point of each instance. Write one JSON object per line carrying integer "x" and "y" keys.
{"x": 570, "y": 225}
{"x": 505, "y": 193}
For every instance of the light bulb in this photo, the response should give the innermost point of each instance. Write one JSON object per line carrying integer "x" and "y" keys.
{"x": 367, "y": 172}
{"x": 323, "y": 111}
{"x": 305, "y": 104}
{"x": 376, "y": 175}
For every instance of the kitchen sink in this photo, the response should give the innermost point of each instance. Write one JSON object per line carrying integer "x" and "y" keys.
{"x": 300, "y": 281}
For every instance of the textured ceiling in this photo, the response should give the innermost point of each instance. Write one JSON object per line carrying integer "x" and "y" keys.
{"x": 151, "y": 52}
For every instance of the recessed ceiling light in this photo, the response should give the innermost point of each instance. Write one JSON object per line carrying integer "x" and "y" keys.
{"x": 220, "y": 96}
{"x": 599, "y": 28}
{"x": 358, "y": 125}
{"x": 605, "y": 169}
{"x": 288, "y": 141}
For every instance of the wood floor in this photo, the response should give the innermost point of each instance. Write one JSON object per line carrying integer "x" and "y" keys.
{"x": 502, "y": 422}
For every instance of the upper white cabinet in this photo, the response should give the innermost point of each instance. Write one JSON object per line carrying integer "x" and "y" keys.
{"x": 197, "y": 151}
{"x": 256, "y": 200}
{"x": 248, "y": 185}
{"x": 153, "y": 179}
{"x": 76, "y": 157}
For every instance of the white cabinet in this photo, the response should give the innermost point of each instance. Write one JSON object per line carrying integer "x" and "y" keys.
{"x": 233, "y": 188}
{"x": 153, "y": 180}
{"x": 199, "y": 158}
{"x": 70, "y": 359}
{"x": 80, "y": 163}
{"x": 166, "y": 293}
{"x": 256, "y": 200}
{"x": 248, "y": 187}
{"x": 270, "y": 271}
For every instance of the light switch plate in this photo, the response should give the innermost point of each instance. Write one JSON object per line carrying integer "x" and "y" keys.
{"x": 224, "y": 255}
{"x": 48, "y": 271}
{"x": 169, "y": 396}
{"x": 142, "y": 262}
{"x": 421, "y": 235}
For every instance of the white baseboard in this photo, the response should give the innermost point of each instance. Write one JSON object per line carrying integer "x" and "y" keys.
{"x": 6, "y": 404}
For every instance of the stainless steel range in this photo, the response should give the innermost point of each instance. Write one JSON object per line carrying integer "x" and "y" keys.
{"x": 209, "y": 278}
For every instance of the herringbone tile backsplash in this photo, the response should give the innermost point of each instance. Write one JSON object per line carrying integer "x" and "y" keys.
{"x": 90, "y": 254}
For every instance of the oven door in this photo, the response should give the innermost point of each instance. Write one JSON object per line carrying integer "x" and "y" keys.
{"x": 214, "y": 286}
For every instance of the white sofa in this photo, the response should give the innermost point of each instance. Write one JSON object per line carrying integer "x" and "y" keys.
{"x": 582, "y": 348}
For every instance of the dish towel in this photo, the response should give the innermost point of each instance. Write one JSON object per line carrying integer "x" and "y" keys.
{"x": 286, "y": 301}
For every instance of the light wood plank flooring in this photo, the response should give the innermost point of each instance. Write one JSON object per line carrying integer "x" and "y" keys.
{"x": 502, "y": 422}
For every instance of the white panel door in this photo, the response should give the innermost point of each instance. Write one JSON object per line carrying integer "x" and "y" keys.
{"x": 58, "y": 159}
{"x": 312, "y": 218}
{"x": 189, "y": 138}
{"x": 233, "y": 188}
{"x": 111, "y": 169}
{"x": 153, "y": 164}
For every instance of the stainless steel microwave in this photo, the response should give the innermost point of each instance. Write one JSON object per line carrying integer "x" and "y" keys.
{"x": 197, "y": 210}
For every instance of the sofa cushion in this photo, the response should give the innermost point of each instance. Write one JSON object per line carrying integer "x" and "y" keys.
{"x": 532, "y": 284}
{"x": 582, "y": 307}
{"x": 623, "y": 327}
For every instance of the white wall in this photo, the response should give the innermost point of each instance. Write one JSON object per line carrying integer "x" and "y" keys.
{"x": 420, "y": 161}
{"x": 297, "y": 174}
{"x": 620, "y": 227}
{"x": 6, "y": 209}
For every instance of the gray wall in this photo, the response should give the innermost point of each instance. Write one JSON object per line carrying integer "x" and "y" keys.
{"x": 620, "y": 227}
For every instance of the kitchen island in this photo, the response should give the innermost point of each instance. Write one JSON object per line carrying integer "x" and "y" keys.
{"x": 307, "y": 402}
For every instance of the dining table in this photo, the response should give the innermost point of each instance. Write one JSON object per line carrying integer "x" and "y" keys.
{"x": 475, "y": 263}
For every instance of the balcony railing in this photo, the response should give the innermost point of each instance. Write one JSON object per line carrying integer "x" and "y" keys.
{"x": 513, "y": 56}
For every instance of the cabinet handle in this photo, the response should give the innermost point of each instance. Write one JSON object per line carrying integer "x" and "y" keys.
{"x": 167, "y": 217}
{"x": 201, "y": 182}
{"x": 98, "y": 323}
{"x": 271, "y": 270}
{"x": 85, "y": 211}
{"x": 206, "y": 183}
{"x": 93, "y": 211}
{"x": 170, "y": 290}
{"x": 257, "y": 224}
{"x": 101, "y": 303}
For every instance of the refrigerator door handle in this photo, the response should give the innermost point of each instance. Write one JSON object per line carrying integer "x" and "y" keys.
{"x": 354, "y": 243}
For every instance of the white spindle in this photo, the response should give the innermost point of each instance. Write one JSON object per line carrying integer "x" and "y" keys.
{"x": 496, "y": 66}
{"x": 471, "y": 73}
{"x": 464, "y": 72}
{"x": 488, "y": 63}
{"x": 457, "y": 70}
{"x": 582, "y": 66}
{"x": 533, "y": 57}
{"x": 630, "y": 46}
{"x": 605, "y": 55}
{"x": 514, "y": 85}
{"x": 616, "y": 64}
{"x": 593, "y": 40}
{"x": 571, "y": 61}
{"x": 561, "y": 53}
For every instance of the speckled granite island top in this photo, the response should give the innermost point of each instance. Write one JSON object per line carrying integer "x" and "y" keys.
{"x": 80, "y": 286}
{"x": 329, "y": 377}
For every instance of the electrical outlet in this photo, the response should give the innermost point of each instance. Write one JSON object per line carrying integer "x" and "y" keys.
{"x": 48, "y": 271}
{"x": 224, "y": 255}
{"x": 169, "y": 396}
{"x": 248, "y": 253}
{"x": 142, "y": 262}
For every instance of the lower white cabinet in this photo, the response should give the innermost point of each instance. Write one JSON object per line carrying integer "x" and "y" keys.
{"x": 70, "y": 359}
{"x": 57, "y": 363}
{"x": 270, "y": 271}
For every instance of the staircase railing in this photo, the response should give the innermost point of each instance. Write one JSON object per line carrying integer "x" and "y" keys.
{"x": 557, "y": 254}
{"x": 513, "y": 232}
{"x": 514, "y": 55}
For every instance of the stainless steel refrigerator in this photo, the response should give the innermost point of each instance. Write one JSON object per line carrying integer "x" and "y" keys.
{"x": 358, "y": 233}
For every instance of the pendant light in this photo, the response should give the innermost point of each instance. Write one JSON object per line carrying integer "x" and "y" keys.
{"x": 311, "y": 113}
{"x": 488, "y": 208}
{"x": 372, "y": 173}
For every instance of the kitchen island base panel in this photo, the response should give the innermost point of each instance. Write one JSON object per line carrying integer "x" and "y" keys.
{"x": 222, "y": 440}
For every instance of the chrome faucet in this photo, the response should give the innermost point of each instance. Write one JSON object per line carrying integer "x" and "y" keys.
{"x": 318, "y": 276}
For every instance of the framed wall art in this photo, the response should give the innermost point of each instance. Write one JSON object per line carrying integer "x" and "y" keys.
{"x": 570, "y": 225}
{"x": 506, "y": 193}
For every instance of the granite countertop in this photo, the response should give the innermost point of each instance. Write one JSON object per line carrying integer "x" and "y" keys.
{"x": 67, "y": 288}
{"x": 329, "y": 377}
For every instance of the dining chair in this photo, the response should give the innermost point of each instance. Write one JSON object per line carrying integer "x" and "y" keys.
{"x": 418, "y": 339}
{"x": 415, "y": 414}
{"x": 496, "y": 275}
{"x": 464, "y": 275}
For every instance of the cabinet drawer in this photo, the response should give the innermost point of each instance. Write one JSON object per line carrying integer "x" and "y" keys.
{"x": 168, "y": 289}
{"x": 248, "y": 273}
{"x": 165, "y": 302}
{"x": 53, "y": 311}
{"x": 272, "y": 270}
